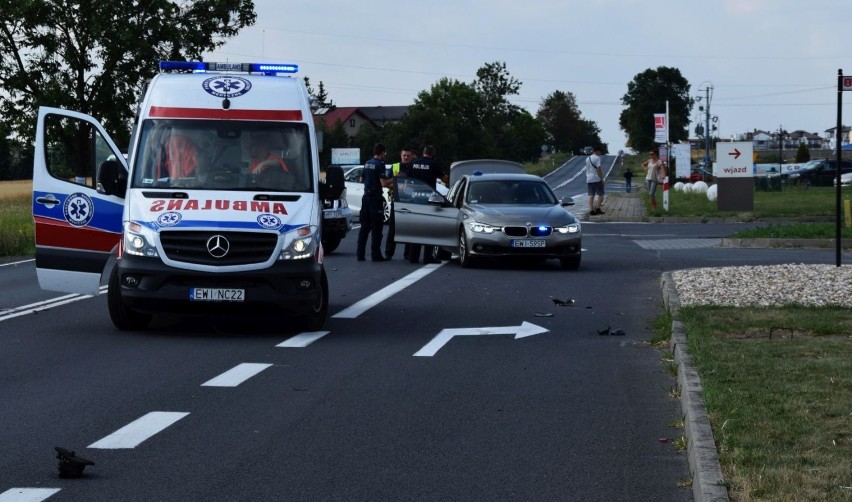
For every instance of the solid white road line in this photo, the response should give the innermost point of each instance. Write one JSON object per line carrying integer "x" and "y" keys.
{"x": 44, "y": 305}
{"x": 383, "y": 294}
{"x": 302, "y": 340}
{"x": 15, "y": 263}
{"x": 236, "y": 375}
{"x": 132, "y": 434}
{"x": 27, "y": 494}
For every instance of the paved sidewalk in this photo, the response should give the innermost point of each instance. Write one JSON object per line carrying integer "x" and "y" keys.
{"x": 621, "y": 206}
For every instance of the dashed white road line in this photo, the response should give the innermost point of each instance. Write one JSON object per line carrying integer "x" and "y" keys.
{"x": 383, "y": 294}
{"x": 134, "y": 433}
{"x": 27, "y": 494}
{"x": 236, "y": 375}
{"x": 302, "y": 340}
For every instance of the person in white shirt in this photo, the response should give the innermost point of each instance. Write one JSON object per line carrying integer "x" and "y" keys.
{"x": 595, "y": 181}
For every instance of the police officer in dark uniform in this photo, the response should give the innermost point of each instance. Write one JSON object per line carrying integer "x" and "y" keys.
{"x": 374, "y": 178}
{"x": 426, "y": 170}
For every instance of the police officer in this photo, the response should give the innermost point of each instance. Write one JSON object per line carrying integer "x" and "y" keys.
{"x": 426, "y": 170}
{"x": 374, "y": 178}
{"x": 393, "y": 171}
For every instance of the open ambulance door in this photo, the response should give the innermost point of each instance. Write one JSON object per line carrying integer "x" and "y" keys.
{"x": 79, "y": 183}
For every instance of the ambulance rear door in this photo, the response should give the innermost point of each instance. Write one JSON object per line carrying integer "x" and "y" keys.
{"x": 79, "y": 184}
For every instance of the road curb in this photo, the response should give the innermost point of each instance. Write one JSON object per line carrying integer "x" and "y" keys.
{"x": 708, "y": 484}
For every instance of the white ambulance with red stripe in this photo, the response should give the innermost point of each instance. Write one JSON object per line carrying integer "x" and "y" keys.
{"x": 215, "y": 209}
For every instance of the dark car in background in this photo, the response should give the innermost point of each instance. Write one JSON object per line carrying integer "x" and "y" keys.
{"x": 819, "y": 172}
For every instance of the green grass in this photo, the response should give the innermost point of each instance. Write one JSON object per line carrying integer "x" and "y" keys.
{"x": 778, "y": 387}
{"x": 17, "y": 236}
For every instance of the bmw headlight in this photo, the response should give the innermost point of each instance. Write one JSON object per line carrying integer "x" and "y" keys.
{"x": 137, "y": 240}
{"x": 573, "y": 228}
{"x": 300, "y": 244}
{"x": 483, "y": 228}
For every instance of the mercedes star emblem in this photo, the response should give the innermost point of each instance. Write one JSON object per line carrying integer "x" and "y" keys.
{"x": 218, "y": 246}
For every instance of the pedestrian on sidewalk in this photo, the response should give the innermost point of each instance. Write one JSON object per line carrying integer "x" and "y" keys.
{"x": 628, "y": 180}
{"x": 656, "y": 174}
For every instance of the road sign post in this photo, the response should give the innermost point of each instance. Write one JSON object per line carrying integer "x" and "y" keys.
{"x": 735, "y": 176}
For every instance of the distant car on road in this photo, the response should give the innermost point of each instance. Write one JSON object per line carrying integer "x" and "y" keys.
{"x": 845, "y": 180}
{"x": 588, "y": 150}
{"x": 355, "y": 191}
{"x": 489, "y": 214}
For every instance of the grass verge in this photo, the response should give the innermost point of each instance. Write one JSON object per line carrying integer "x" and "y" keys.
{"x": 778, "y": 387}
{"x": 17, "y": 236}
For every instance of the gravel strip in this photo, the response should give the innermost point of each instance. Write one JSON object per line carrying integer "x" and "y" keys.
{"x": 766, "y": 286}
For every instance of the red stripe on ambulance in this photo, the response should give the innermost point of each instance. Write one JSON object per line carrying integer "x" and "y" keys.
{"x": 219, "y": 113}
{"x": 61, "y": 234}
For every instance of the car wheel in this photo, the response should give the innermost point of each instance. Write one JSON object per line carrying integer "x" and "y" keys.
{"x": 386, "y": 210}
{"x": 571, "y": 262}
{"x": 315, "y": 319}
{"x": 122, "y": 316}
{"x": 465, "y": 259}
{"x": 330, "y": 243}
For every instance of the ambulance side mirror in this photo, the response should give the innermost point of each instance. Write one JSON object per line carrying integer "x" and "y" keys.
{"x": 112, "y": 178}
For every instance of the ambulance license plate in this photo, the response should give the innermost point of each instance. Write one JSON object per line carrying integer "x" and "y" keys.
{"x": 528, "y": 243}
{"x": 216, "y": 295}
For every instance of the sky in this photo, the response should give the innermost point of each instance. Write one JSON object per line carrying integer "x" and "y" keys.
{"x": 766, "y": 64}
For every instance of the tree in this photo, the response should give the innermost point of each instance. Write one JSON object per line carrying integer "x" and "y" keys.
{"x": 646, "y": 95}
{"x": 94, "y": 57}
{"x": 803, "y": 154}
{"x": 321, "y": 96}
{"x": 560, "y": 117}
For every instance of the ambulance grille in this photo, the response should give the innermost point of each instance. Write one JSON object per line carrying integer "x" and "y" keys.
{"x": 242, "y": 247}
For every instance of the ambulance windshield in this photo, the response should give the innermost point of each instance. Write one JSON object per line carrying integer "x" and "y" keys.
{"x": 224, "y": 155}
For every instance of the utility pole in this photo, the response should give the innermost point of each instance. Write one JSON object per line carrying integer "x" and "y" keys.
{"x": 707, "y": 134}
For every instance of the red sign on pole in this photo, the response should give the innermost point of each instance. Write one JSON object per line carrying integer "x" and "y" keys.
{"x": 846, "y": 83}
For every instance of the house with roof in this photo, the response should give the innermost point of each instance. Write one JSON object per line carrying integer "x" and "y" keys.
{"x": 353, "y": 118}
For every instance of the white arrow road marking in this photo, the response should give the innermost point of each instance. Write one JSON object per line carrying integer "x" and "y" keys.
{"x": 236, "y": 375}
{"x": 27, "y": 494}
{"x": 524, "y": 330}
{"x": 132, "y": 434}
{"x": 302, "y": 340}
{"x": 383, "y": 294}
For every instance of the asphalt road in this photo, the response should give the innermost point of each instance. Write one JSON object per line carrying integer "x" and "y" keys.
{"x": 379, "y": 407}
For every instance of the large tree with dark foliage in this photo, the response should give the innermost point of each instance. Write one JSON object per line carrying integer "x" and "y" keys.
{"x": 646, "y": 95}
{"x": 94, "y": 57}
{"x": 566, "y": 129}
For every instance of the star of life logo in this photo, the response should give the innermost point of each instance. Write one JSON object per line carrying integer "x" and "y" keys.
{"x": 226, "y": 87}
{"x": 269, "y": 221}
{"x": 169, "y": 219}
{"x": 78, "y": 209}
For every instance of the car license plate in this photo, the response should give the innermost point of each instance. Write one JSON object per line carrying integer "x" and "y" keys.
{"x": 528, "y": 243}
{"x": 332, "y": 214}
{"x": 216, "y": 295}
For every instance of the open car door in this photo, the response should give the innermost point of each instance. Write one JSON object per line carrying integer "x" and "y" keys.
{"x": 422, "y": 215}
{"x": 79, "y": 181}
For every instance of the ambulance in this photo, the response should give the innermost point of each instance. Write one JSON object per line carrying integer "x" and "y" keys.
{"x": 214, "y": 209}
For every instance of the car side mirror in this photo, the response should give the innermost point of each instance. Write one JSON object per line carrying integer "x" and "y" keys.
{"x": 112, "y": 178}
{"x": 436, "y": 199}
{"x": 568, "y": 202}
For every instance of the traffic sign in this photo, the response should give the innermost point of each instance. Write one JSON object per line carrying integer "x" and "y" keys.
{"x": 734, "y": 160}
{"x": 845, "y": 83}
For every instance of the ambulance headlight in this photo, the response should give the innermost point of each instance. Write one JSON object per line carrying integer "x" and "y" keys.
{"x": 300, "y": 243}
{"x": 138, "y": 240}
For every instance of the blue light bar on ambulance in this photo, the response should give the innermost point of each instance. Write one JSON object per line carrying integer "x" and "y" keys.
{"x": 204, "y": 66}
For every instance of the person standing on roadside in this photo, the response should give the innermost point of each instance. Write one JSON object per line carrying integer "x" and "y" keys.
{"x": 595, "y": 181}
{"x": 374, "y": 178}
{"x": 628, "y": 180}
{"x": 426, "y": 170}
{"x": 393, "y": 171}
{"x": 656, "y": 174}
